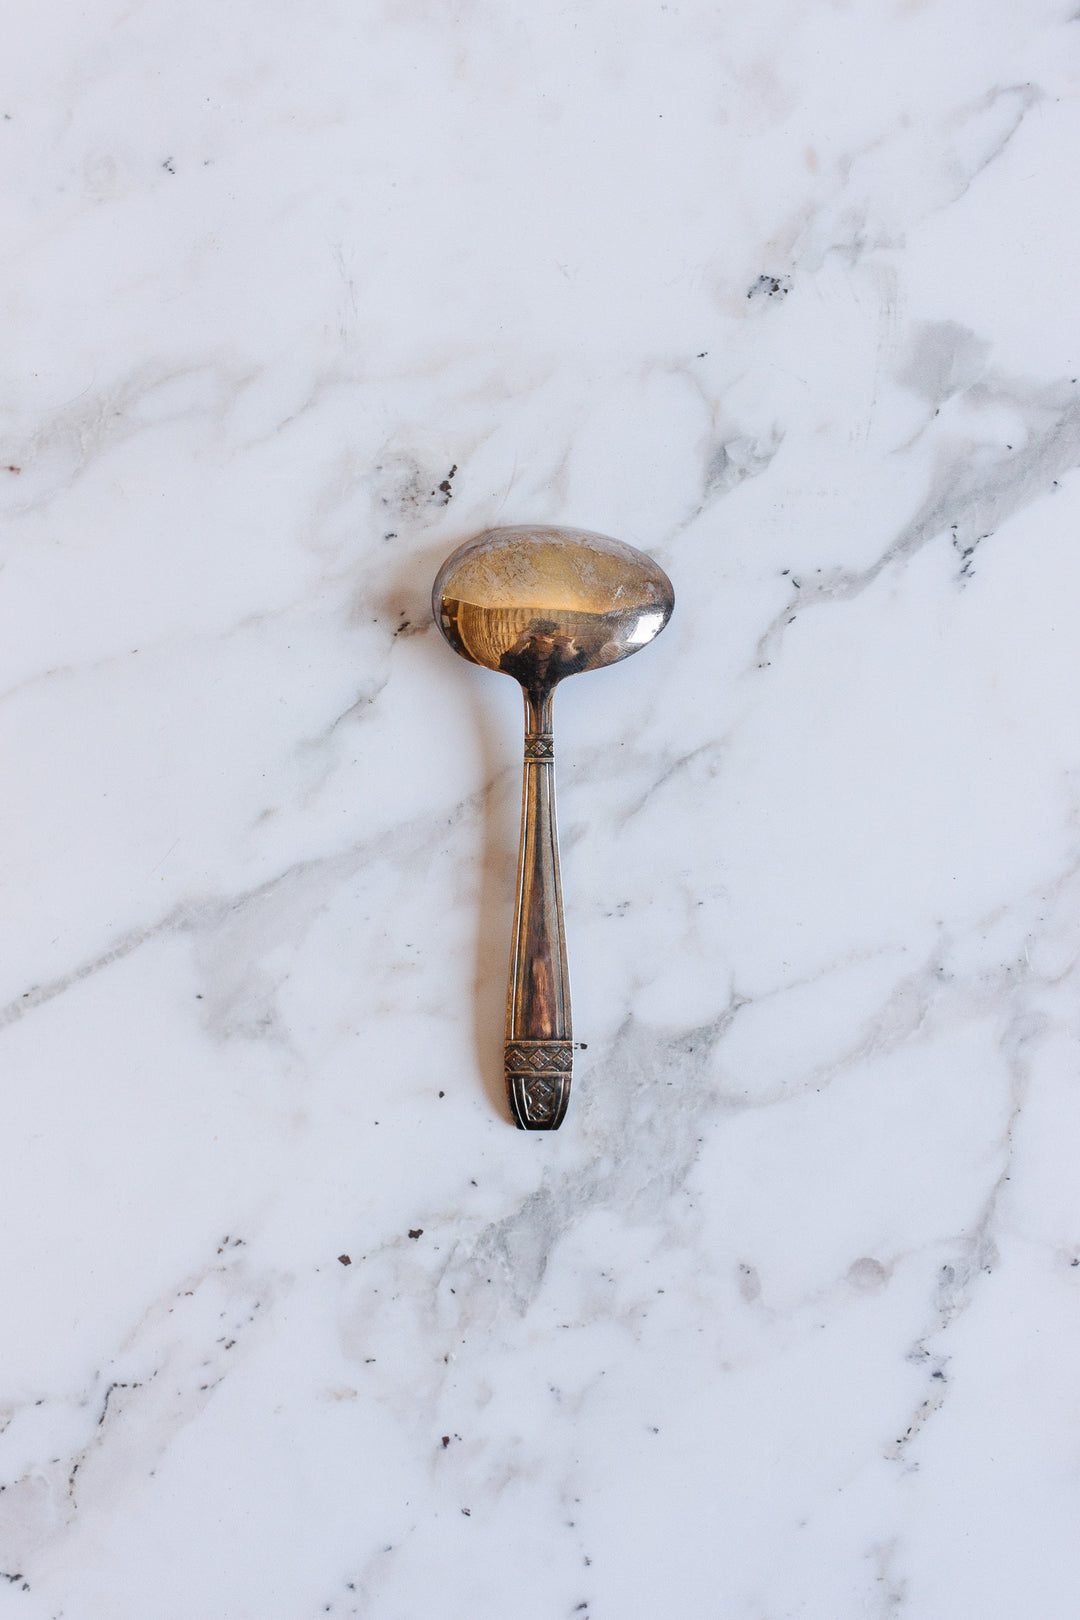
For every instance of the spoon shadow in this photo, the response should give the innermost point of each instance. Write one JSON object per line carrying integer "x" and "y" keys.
{"x": 499, "y": 830}
{"x": 408, "y": 599}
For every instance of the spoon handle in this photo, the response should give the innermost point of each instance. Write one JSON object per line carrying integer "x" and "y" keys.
{"x": 539, "y": 1053}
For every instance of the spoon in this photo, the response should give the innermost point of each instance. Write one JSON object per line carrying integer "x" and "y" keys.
{"x": 541, "y": 604}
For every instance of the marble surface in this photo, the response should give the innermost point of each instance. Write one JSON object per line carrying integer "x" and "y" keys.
{"x": 783, "y": 1324}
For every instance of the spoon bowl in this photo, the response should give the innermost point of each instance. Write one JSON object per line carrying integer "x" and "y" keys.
{"x": 541, "y": 604}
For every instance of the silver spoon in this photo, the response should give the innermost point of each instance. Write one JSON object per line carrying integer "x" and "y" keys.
{"x": 540, "y": 604}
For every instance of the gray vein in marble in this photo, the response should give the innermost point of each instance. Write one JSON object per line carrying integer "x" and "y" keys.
{"x": 973, "y": 495}
{"x": 976, "y": 1253}
{"x": 857, "y": 223}
{"x": 993, "y": 119}
{"x": 67, "y": 440}
{"x": 119, "y": 1427}
{"x": 669, "y": 770}
{"x": 894, "y": 1588}
{"x": 944, "y": 358}
{"x": 244, "y": 925}
{"x": 1009, "y": 985}
{"x": 735, "y": 460}
{"x": 641, "y": 1153}
{"x": 638, "y": 1152}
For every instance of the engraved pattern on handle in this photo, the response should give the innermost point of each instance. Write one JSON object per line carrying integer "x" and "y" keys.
{"x": 539, "y": 1051}
{"x": 538, "y": 1082}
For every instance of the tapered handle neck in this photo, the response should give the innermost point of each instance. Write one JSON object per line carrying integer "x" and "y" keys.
{"x": 539, "y": 1051}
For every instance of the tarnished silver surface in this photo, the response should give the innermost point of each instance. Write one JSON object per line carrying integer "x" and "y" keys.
{"x": 541, "y": 604}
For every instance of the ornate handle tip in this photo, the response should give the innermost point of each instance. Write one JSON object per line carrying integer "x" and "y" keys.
{"x": 538, "y": 1075}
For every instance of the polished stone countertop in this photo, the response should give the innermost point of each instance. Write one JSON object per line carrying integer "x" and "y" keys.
{"x": 782, "y": 1324}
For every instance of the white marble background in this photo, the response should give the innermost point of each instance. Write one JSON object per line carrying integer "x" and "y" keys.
{"x": 783, "y": 1324}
